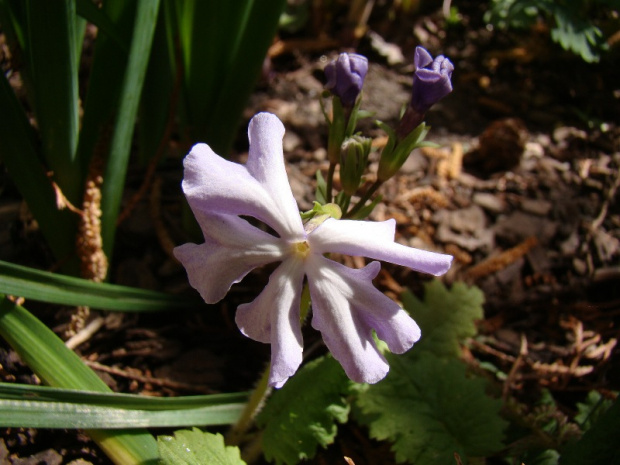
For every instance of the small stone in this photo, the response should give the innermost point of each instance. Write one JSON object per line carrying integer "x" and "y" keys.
{"x": 489, "y": 202}
{"x": 468, "y": 220}
{"x": 511, "y": 272}
{"x": 569, "y": 246}
{"x": 607, "y": 246}
{"x": 536, "y": 206}
{"x": 518, "y": 226}
{"x": 580, "y": 266}
{"x": 48, "y": 456}
{"x": 290, "y": 141}
{"x": 415, "y": 163}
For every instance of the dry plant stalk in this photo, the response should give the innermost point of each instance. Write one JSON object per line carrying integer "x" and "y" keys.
{"x": 424, "y": 195}
{"x": 89, "y": 245}
{"x": 451, "y": 166}
{"x": 501, "y": 261}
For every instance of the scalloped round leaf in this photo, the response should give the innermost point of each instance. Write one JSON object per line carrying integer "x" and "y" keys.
{"x": 196, "y": 447}
{"x": 303, "y": 414}
{"x": 430, "y": 409}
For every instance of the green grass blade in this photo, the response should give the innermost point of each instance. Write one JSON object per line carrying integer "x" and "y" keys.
{"x": 58, "y": 366}
{"x": 19, "y": 152}
{"x": 51, "y": 57}
{"x": 36, "y": 414}
{"x": 93, "y": 14}
{"x": 60, "y": 289}
{"x": 258, "y": 27}
{"x": 224, "y": 45}
{"x": 158, "y": 92}
{"x": 120, "y": 144}
{"x": 15, "y": 391}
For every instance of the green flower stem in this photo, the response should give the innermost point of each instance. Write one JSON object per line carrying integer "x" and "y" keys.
{"x": 262, "y": 389}
{"x": 330, "y": 181}
{"x": 367, "y": 195}
{"x": 255, "y": 403}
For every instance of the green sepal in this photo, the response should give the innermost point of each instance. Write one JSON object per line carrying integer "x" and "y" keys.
{"x": 392, "y": 160}
{"x": 337, "y": 130}
{"x": 321, "y": 188}
{"x": 353, "y": 162}
{"x": 319, "y": 213}
{"x": 366, "y": 210}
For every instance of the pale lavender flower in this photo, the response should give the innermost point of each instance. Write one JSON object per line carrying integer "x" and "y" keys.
{"x": 346, "y": 307}
{"x": 345, "y": 76}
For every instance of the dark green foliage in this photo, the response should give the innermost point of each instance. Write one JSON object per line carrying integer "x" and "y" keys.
{"x": 573, "y": 22}
{"x": 599, "y": 445}
{"x": 429, "y": 407}
{"x": 197, "y": 448}
{"x": 303, "y": 414}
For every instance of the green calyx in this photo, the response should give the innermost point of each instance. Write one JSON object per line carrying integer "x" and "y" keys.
{"x": 397, "y": 151}
{"x": 319, "y": 213}
{"x": 353, "y": 161}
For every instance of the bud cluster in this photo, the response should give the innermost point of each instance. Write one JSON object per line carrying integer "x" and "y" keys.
{"x": 345, "y": 79}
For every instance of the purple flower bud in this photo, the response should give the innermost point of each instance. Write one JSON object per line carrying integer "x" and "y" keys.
{"x": 431, "y": 80}
{"x": 345, "y": 77}
{"x": 431, "y": 83}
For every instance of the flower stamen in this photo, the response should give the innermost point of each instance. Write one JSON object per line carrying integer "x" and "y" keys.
{"x": 301, "y": 249}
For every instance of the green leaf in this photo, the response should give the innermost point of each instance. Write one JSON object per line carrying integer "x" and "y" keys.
{"x": 224, "y": 45}
{"x": 591, "y": 410}
{"x": 303, "y": 414}
{"x": 129, "y": 98}
{"x": 88, "y": 10}
{"x": 45, "y": 407}
{"x": 545, "y": 457}
{"x": 447, "y": 316}
{"x": 20, "y": 154}
{"x": 55, "y": 288}
{"x": 577, "y": 35}
{"x": 16, "y": 391}
{"x": 367, "y": 209}
{"x": 321, "y": 188}
{"x": 51, "y": 57}
{"x": 430, "y": 409}
{"x": 67, "y": 414}
{"x": 599, "y": 445}
{"x": 197, "y": 448}
{"x": 58, "y": 366}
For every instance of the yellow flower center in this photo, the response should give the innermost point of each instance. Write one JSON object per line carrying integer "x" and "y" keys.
{"x": 301, "y": 249}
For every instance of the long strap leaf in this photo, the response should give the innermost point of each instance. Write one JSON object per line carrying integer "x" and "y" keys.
{"x": 51, "y": 52}
{"x": 43, "y": 286}
{"x": 16, "y": 391}
{"x": 58, "y": 366}
{"x": 35, "y": 414}
{"x": 19, "y": 152}
{"x": 120, "y": 144}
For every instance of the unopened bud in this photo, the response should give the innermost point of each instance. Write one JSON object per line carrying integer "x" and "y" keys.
{"x": 345, "y": 77}
{"x": 431, "y": 83}
{"x": 353, "y": 161}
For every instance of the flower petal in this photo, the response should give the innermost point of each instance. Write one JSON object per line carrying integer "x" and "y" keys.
{"x": 422, "y": 58}
{"x": 371, "y": 239}
{"x": 266, "y": 165}
{"x": 346, "y": 308}
{"x": 274, "y": 317}
{"x": 214, "y": 185}
{"x": 232, "y": 248}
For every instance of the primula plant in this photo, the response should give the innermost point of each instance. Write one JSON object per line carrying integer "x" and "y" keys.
{"x": 393, "y": 368}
